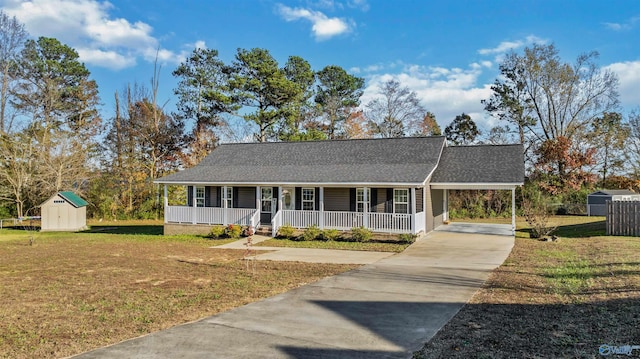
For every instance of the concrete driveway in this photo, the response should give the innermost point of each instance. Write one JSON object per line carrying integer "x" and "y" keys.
{"x": 386, "y": 309}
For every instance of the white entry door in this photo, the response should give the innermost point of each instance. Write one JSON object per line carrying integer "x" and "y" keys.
{"x": 288, "y": 197}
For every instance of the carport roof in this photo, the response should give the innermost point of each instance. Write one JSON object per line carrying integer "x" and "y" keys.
{"x": 480, "y": 166}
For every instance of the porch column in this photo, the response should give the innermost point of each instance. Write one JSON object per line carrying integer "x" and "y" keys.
{"x": 166, "y": 204}
{"x": 321, "y": 209}
{"x": 194, "y": 206}
{"x": 365, "y": 210}
{"x": 413, "y": 209}
{"x": 279, "y": 200}
{"x": 258, "y": 197}
{"x": 513, "y": 211}
{"x": 224, "y": 205}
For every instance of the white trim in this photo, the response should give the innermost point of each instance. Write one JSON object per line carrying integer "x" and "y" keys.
{"x": 298, "y": 184}
{"x": 313, "y": 199}
{"x": 405, "y": 203}
{"x": 475, "y": 185}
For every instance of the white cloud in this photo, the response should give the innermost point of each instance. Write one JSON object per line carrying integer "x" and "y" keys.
{"x": 108, "y": 59}
{"x": 86, "y": 25}
{"x": 623, "y": 26}
{"x": 447, "y": 92}
{"x": 507, "y": 46}
{"x": 629, "y": 75}
{"x": 322, "y": 26}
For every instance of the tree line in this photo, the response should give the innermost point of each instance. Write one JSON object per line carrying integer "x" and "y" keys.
{"x": 52, "y": 136}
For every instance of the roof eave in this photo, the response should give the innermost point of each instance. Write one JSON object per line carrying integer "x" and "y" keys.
{"x": 476, "y": 185}
{"x": 293, "y": 184}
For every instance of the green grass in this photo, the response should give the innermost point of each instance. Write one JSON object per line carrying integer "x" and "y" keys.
{"x": 353, "y": 246}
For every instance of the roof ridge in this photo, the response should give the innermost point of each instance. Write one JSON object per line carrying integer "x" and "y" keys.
{"x": 328, "y": 140}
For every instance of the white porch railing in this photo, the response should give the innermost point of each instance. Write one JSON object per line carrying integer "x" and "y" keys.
{"x": 377, "y": 222}
{"x": 211, "y": 215}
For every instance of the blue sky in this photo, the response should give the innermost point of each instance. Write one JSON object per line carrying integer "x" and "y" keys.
{"x": 448, "y": 52}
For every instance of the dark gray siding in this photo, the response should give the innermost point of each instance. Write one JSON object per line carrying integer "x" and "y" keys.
{"x": 246, "y": 197}
{"x": 419, "y": 200}
{"x": 336, "y": 199}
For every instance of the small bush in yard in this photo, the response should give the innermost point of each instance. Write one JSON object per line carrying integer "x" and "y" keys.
{"x": 233, "y": 231}
{"x": 311, "y": 233}
{"x": 407, "y": 238}
{"x": 217, "y": 232}
{"x": 286, "y": 231}
{"x": 330, "y": 234}
{"x": 360, "y": 234}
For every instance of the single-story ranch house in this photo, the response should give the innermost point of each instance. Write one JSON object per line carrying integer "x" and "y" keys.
{"x": 394, "y": 185}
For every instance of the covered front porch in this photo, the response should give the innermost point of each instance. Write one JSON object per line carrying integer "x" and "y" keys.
{"x": 380, "y": 209}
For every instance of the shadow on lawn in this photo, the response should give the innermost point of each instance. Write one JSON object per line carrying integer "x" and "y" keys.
{"x": 582, "y": 230}
{"x": 127, "y": 229}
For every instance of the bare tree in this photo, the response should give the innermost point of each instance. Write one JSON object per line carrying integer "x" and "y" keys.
{"x": 12, "y": 38}
{"x": 396, "y": 111}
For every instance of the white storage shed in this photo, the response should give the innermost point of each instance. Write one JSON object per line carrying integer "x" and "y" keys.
{"x": 65, "y": 211}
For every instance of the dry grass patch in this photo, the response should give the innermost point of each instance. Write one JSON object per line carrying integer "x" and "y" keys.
{"x": 69, "y": 293}
{"x": 550, "y": 300}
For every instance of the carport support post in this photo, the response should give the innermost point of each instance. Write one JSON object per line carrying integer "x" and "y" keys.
{"x": 513, "y": 211}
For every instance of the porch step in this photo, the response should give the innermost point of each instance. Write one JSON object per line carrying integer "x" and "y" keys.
{"x": 264, "y": 230}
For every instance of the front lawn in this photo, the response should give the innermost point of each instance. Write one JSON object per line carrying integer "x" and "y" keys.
{"x": 552, "y": 299}
{"x": 72, "y": 292}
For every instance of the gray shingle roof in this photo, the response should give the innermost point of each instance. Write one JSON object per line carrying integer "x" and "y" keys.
{"x": 481, "y": 164}
{"x": 613, "y": 192}
{"x": 393, "y": 160}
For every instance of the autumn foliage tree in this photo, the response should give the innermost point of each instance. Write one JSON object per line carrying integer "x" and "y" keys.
{"x": 560, "y": 165}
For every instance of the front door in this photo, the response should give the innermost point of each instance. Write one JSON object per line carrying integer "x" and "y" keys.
{"x": 289, "y": 198}
{"x": 266, "y": 204}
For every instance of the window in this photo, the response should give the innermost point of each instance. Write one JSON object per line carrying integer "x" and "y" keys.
{"x": 308, "y": 199}
{"x": 401, "y": 200}
{"x": 360, "y": 202}
{"x": 228, "y": 197}
{"x": 267, "y": 196}
{"x": 199, "y": 196}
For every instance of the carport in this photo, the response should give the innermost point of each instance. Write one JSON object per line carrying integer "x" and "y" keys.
{"x": 480, "y": 168}
{"x": 447, "y": 187}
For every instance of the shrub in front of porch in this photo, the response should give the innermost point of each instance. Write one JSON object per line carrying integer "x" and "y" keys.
{"x": 361, "y": 234}
{"x": 286, "y": 232}
{"x": 233, "y": 231}
{"x": 330, "y": 235}
{"x": 217, "y": 232}
{"x": 310, "y": 233}
{"x": 407, "y": 238}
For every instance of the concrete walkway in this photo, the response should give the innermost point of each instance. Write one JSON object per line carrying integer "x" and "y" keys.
{"x": 387, "y": 309}
{"x": 309, "y": 255}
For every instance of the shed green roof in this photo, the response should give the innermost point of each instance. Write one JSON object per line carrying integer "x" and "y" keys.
{"x": 73, "y": 198}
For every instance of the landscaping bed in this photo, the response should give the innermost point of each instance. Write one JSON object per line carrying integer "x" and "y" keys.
{"x": 72, "y": 292}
